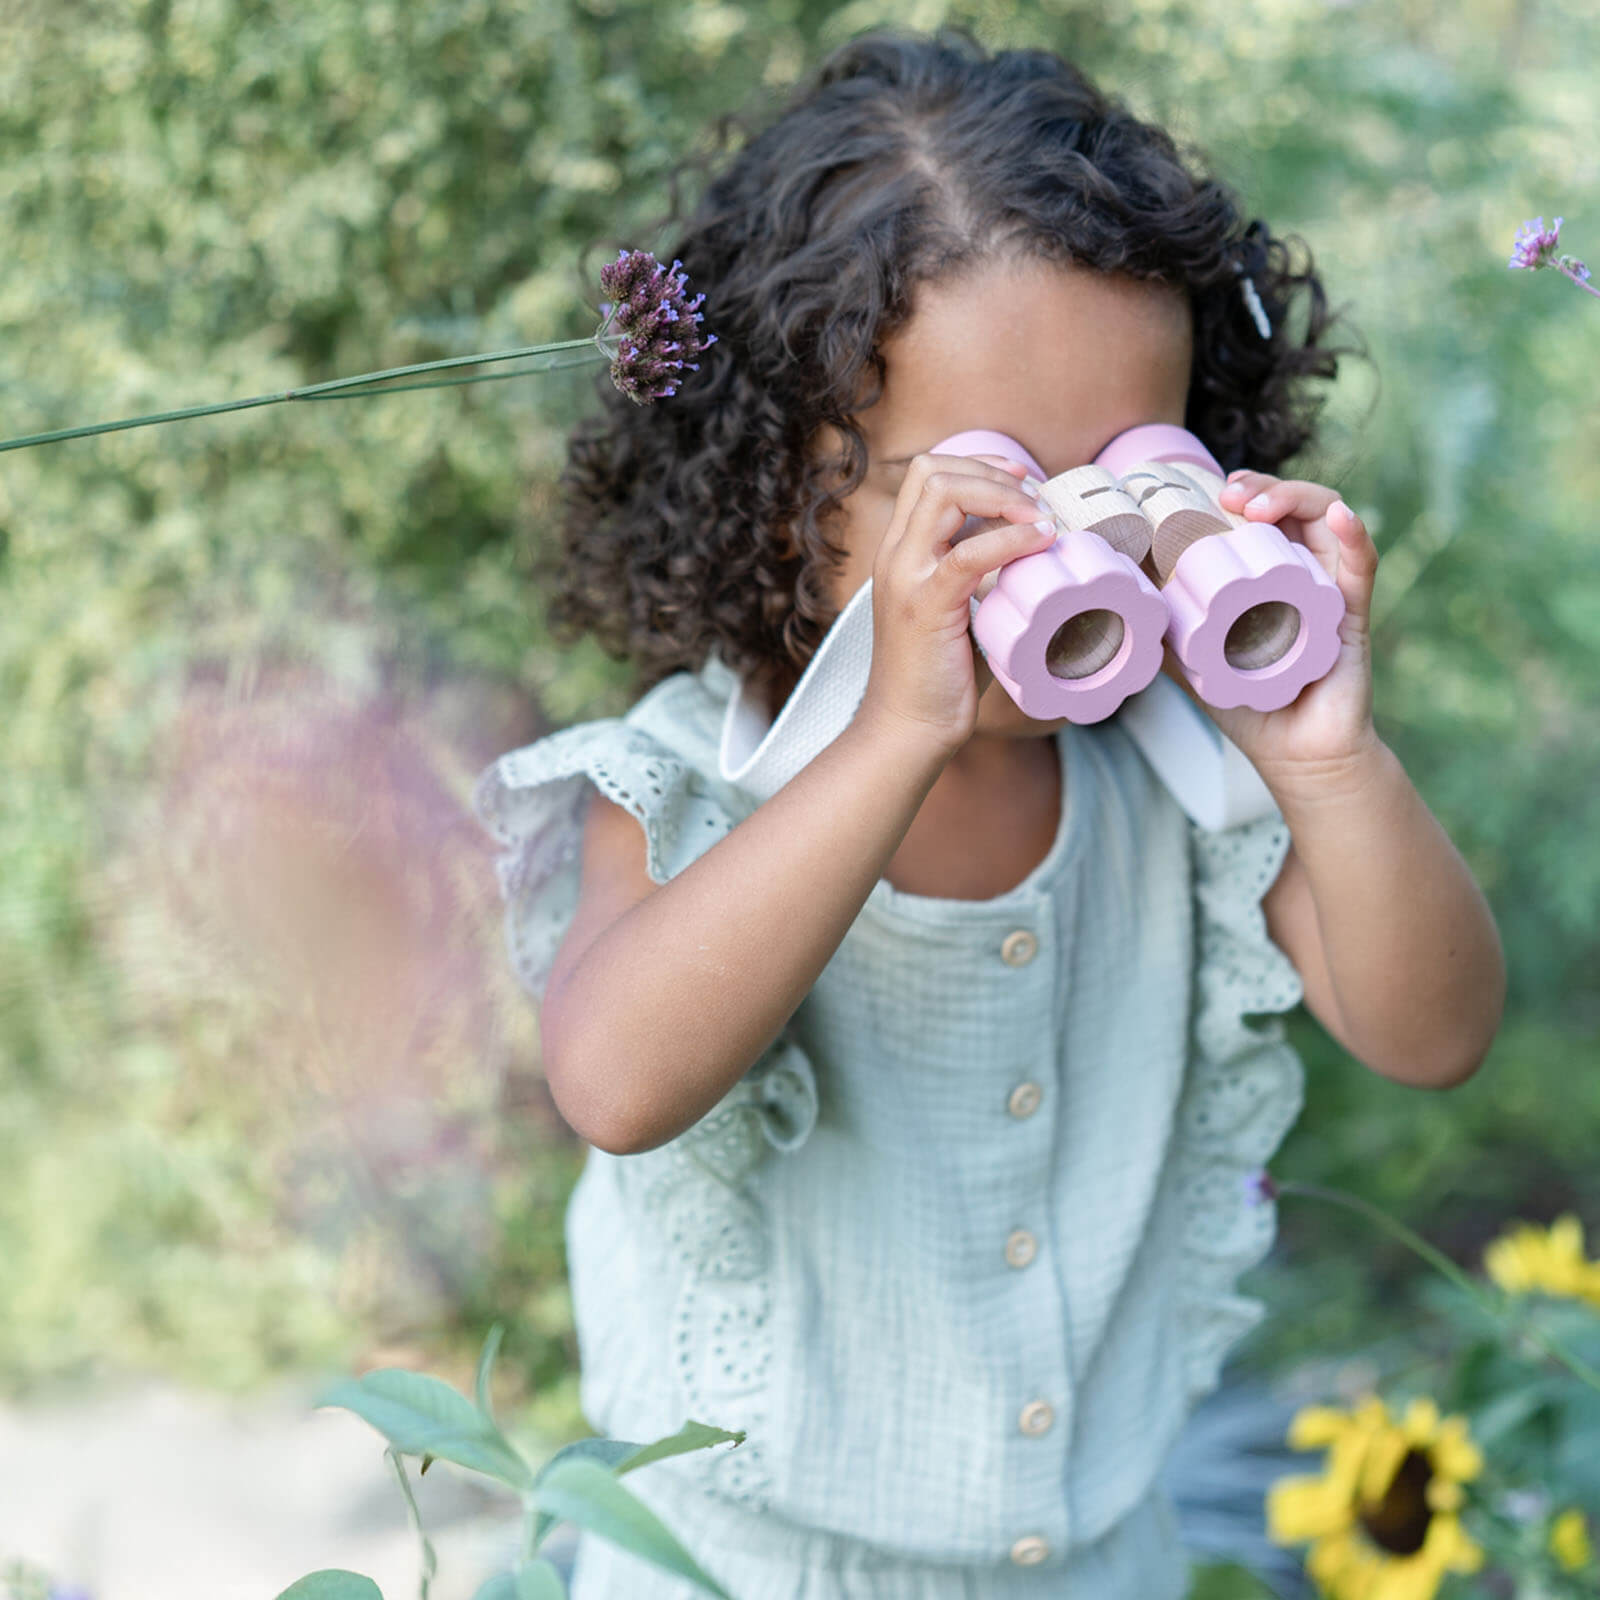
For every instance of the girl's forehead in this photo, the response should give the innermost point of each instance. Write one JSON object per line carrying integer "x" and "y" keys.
{"x": 1061, "y": 358}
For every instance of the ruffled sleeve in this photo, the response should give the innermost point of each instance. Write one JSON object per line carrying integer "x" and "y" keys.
{"x": 533, "y": 801}
{"x": 1244, "y": 1089}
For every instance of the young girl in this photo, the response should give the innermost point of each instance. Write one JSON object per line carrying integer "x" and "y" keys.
{"x": 909, "y": 1032}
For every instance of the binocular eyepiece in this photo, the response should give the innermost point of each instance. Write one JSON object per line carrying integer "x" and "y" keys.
{"x": 1074, "y": 629}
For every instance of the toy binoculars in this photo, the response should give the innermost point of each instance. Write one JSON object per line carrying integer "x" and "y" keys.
{"x": 1074, "y": 629}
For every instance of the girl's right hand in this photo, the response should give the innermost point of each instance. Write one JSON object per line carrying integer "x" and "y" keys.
{"x": 926, "y": 672}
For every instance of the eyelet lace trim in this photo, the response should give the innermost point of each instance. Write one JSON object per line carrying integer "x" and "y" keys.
{"x": 695, "y": 1190}
{"x": 533, "y": 801}
{"x": 1245, "y": 1089}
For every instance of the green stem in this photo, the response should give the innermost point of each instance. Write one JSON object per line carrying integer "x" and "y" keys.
{"x": 1436, "y": 1258}
{"x": 444, "y": 383}
{"x": 596, "y": 350}
{"x": 1567, "y": 272}
{"x": 430, "y": 1562}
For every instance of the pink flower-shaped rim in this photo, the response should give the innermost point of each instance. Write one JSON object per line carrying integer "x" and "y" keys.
{"x": 1035, "y": 594}
{"x": 1216, "y": 580}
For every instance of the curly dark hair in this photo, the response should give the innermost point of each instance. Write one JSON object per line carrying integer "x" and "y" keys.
{"x": 697, "y": 523}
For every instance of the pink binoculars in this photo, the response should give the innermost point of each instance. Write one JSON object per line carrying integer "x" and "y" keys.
{"x": 1074, "y": 629}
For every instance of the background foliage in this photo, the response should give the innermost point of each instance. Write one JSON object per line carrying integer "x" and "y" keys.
{"x": 229, "y": 644}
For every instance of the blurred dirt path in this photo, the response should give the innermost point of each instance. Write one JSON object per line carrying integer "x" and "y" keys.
{"x": 161, "y": 1493}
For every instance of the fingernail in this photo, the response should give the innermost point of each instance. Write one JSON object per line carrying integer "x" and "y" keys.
{"x": 1032, "y": 486}
{"x": 1258, "y": 504}
{"x": 1045, "y": 527}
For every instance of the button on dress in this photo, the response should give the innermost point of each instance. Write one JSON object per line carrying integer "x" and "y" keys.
{"x": 959, "y": 1251}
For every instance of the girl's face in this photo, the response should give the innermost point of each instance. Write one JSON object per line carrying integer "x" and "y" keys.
{"x": 1061, "y": 359}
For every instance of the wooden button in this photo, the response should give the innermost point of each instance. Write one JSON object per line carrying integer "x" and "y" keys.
{"x": 1029, "y": 1551}
{"x": 1024, "y": 1100}
{"x": 1020, "y": 1248}
{"x": 1019, "y": 949}
{"x": 1036, "y": 1417}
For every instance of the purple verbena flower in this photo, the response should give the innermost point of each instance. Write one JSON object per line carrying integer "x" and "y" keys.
{"x": 657, "y": 324}
{"x": 1535, "y": 246}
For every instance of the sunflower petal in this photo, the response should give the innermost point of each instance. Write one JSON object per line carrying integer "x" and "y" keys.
{"x": 1306, "y": 1508}
{"x": 1569, "y": 1541}
{"x": 1421, "y": 1420}
{"x": 1566, "y": 1237}
{"x": 1313, "y": 1427}
{"x": 1408, "y": 1578}
{"x": 1449, "y": 1544}
{"x": 1384, "y": 1456}
{"x": 1455, "y": 1456}
{"x": 1341, "y": 1565}
{"x": 1444, "y": 1495}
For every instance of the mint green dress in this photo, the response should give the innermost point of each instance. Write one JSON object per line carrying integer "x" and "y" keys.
{"x": 959, "y": 1251}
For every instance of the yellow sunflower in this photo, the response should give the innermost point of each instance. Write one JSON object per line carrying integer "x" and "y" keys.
{"x": 1382, "y": 1518}
{"x": 1569, "y": 1541}
{"x": 1528, "y": 1258}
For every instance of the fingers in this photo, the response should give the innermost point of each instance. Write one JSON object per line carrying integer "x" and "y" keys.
{"x": 1017, "y": 468}
{"x": 1263, "y": 498}
{"x": 1358, "y": 559}
{"x": 938, "y": 495}
{"x": 971, "y": 566}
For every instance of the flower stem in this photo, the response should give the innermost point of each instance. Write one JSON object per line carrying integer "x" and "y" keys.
{"x": 335, "y": 388}
{"x": 1436, "y": 1258}
{"x": 582, "y": 358}
{"x": 1567, "y": 272}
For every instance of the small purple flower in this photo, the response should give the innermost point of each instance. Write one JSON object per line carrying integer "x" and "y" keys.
{"x": 657, "y": 324}
{"x": 1535, "y": 243}
{"x": 1535, "y": 246}
{"x": 1259, "y": 1187}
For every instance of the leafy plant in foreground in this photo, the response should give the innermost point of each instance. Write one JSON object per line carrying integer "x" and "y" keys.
{"x": 423, "y": 1416}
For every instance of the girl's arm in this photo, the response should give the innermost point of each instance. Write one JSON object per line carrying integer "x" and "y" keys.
{"x": 1393, "y": 940}
{"x": 663, "y": 996}
{"x": 1396, "y": 946}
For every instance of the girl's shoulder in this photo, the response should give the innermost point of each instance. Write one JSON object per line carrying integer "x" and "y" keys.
{"x": 658, "y": 761}
{"x": 685, "y": 712}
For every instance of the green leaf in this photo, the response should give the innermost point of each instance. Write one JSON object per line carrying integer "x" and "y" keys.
{"x": 333, "y": 1583}
{"x": 691, "y": 1436}
{"x": 608, "y": 1453}
{"x": 539, "y": 1580}
{"x": 585, "y": 1493}
{"x": 421, "y": 1415}
{"x": 491, "y": 1346}
{"x": 622, "y": 1455}
{"x": 532, "y": 1580}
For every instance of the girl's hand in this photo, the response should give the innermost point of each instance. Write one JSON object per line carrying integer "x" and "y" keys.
{"x": 1326, "y": 733}
{"x": 926, "y": 672}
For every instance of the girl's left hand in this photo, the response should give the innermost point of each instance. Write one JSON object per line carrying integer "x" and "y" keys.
{"x": 1326, "y": 732}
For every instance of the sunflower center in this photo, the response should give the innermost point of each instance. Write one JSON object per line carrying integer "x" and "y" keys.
{"x": 1398, "y": 1523}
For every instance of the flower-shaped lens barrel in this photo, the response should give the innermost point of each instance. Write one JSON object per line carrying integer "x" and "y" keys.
{"x": 1254, "y": 618}
{"x": 1074, "y": 629}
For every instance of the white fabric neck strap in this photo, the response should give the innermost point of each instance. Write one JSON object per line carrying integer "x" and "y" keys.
{"x": 1207, "y": 774}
